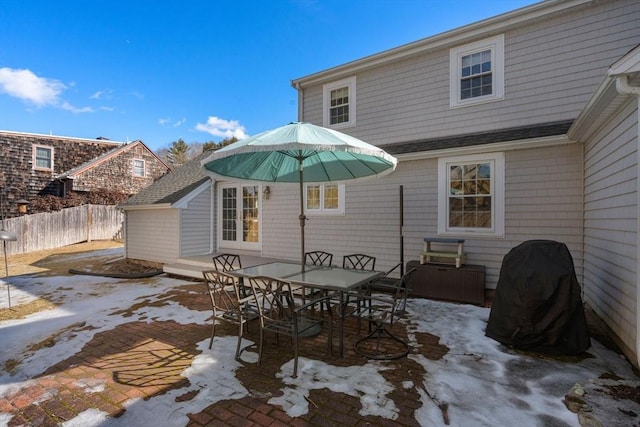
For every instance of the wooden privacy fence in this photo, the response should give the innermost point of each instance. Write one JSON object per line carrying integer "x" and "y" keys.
{"x": 65, "y": 227}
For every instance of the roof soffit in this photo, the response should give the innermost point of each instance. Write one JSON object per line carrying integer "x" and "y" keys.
{"x": 628, "y": 64}
{"x": 538, "y": 135}
{"x": 623, "y": 79}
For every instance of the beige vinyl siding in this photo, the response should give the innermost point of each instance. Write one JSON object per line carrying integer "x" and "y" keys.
{"x": 544, "y": 197}
{"x": 611, "y": 225}
{"x": 152, "y": 235}
{"x": 551, "y": 68}
{"x": 196, "y": 225}
{"x": 371, "y": 223}
{"x": 280, "y": 225}
{"x": 543, "y": 201}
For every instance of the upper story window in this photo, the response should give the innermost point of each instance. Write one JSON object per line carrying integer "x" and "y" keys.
{"x": 339, "y": 103}
{"x": 42, "y": 157}
{"x": 324, "y": 199}
{"x": 477, "y": 72}
{"x": 138, "y": 168}
{"x": 471, "y": 195}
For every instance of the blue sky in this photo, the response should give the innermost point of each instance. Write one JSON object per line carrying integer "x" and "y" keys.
{"x": 197, "y": 70}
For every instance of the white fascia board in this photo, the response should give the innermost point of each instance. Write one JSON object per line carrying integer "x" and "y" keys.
{"x": 146, "y": 207}
{"x": 628, "y": 64}
{"x": 488, "y": 148}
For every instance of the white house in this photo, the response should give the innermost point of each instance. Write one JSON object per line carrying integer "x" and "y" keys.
{"x": 534, "y": 113}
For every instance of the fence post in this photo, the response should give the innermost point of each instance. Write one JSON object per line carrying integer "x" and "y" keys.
{"x": 89, "y": 222}
{"x": 25, "y": 233}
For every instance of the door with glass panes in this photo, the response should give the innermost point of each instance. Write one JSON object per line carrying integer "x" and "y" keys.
{"x": 239, "y": 216}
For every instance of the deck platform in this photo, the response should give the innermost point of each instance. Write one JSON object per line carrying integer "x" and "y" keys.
{"x": 193, "y": 266}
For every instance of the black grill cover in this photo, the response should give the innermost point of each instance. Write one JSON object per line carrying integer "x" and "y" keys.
{"x": 537, "y": 304}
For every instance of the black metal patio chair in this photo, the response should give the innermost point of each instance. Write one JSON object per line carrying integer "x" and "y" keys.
{"x": 280, "y": 314}
{"x": 359, "y": 262}
{"x": 318, "y": 258}
{"x": 227, "y": 304}
{"x": 226, "y": 262}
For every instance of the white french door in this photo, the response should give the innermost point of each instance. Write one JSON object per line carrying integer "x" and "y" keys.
{"x": 239, "y": 208}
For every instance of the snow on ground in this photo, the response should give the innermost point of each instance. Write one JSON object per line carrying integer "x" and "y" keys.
{"x": 479, "y": 381}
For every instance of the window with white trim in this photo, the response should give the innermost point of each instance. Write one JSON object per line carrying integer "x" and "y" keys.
{"x": 471, "y": 195}
{"x": 477, "y": 72}
{"x": 42, "y": 157}
{"x": 326, "y": 199}
{"x": 138, "y": 167}
{"x": 339, "y": 103}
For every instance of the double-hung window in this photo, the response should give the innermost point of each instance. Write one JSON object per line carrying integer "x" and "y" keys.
{"x": 138, "y": 168}
{"x": 477, "y": 72}
{"x": 471, "y": 195}
{"x": 42, "y": 157}
{"x": 327, "y": 199}
{"x": 339, "y": 103}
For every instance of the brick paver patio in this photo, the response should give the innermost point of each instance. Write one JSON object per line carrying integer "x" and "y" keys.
{"x": 145, "y": 359}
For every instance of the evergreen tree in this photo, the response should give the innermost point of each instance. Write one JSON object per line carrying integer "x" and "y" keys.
{"x": 178, "y": 153}
{"x": 211, "y": 145}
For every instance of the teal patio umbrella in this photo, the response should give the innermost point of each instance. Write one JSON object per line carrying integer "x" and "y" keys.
{"x": 299, "y": 153}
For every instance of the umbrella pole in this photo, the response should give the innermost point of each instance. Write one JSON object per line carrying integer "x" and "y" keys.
{"x": 301, "y": 217}
{"x": 401, "y": 230}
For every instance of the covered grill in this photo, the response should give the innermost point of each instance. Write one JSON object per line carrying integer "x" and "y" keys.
{"x": 537, "y": 304}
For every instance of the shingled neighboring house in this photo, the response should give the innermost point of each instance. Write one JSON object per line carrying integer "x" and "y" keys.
{"x": 33, "y": 165}
{"x": 171, "y": 218}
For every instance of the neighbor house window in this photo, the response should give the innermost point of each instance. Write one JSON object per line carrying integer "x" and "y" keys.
{"x": 471, "y": 195}
{"x": 42, "y": 157}
{"x": 138, "y": 167}
{"x": 477, "y": 72}
{"x": 324, "y": 199}
{"x": 339, "y": 103}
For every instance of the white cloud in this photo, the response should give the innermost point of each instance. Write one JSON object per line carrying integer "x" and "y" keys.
{"x": 167, "y": 122}
{"x": 102, "y": 94}
{"x": 40, "y": 91}
{"x": 223, "y": 128}
{"x": 25, "y": 85}
{"x": 66, "y": 106}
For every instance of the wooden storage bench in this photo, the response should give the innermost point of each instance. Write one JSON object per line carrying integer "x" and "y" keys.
{"x": 443, "y": 282}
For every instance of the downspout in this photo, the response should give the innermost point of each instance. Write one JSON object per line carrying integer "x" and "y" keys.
{"x": 624, "y": 88}
{"x": 213, "y": 221}
{"x": 300, "y": 101}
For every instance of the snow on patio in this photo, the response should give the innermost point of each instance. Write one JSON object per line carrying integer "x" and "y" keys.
{"x": 477, "y": 382}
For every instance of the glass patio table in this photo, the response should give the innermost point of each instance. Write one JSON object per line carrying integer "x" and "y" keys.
{"x": 336, "y": 279}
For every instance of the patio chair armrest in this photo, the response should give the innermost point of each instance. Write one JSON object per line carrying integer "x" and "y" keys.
{"x": 313, "y": 302}
{"x": 384, "y": 283}
{"x": 395, "y": 267}
{"x": 247, "y": 299}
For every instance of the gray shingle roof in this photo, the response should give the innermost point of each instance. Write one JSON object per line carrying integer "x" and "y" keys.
{"x": 173, "y": 186}
{"x": 177, "y": 184}
{"x": 111, "y": 153}
{"x": 467, "y": 140}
